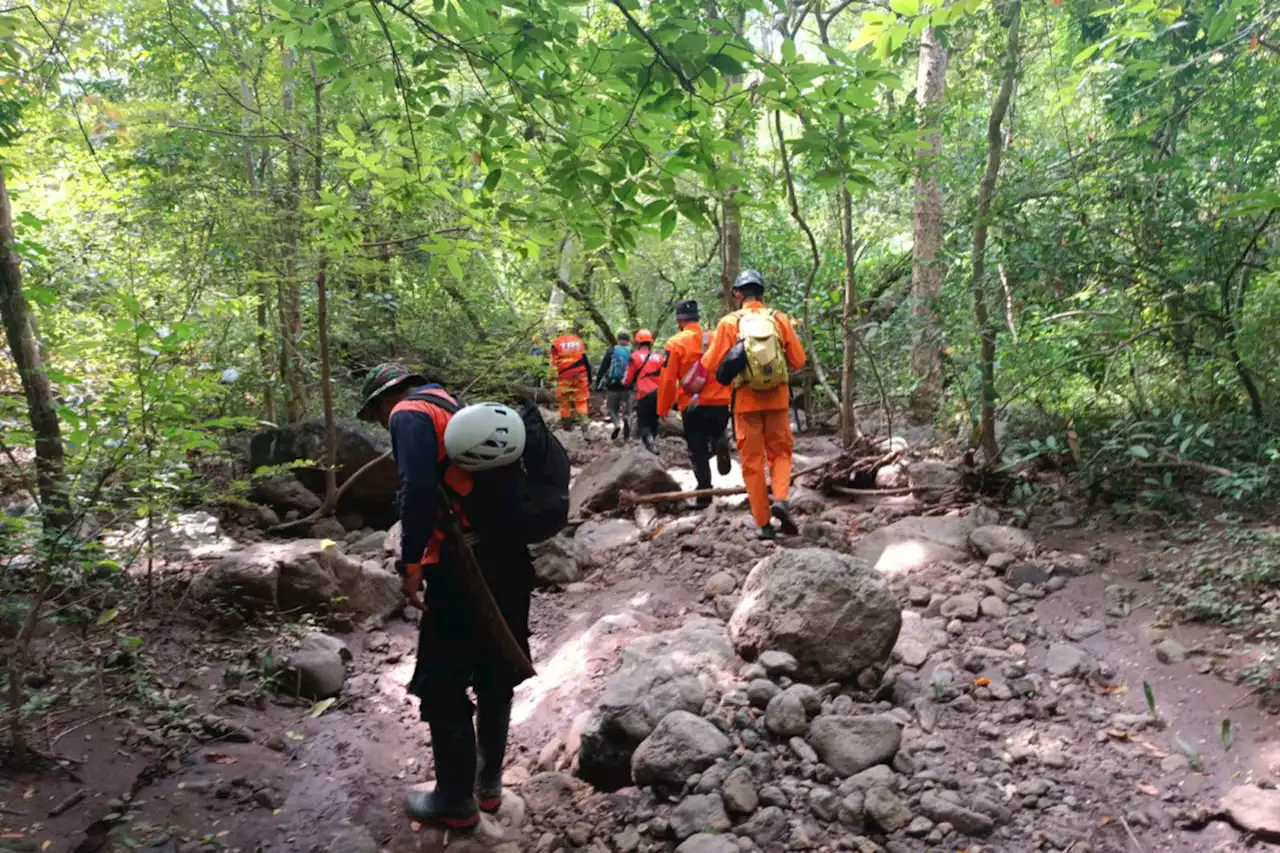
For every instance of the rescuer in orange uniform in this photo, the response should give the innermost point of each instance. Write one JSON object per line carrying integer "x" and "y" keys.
{"x": 571, "y": 373}
{"x": 703, "y": 402}
{"x": 757, "y": 347}
{"x": 642, "y": 375}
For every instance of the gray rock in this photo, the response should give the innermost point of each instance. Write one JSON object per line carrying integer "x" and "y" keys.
{"x": 778, "y": 663}
{"x": 284, "y": 494}
{"x": 767, "y": 827}
{"x": 595, "y": 539}
{"x": 915, "y": 543}
{"x": 708, "y": 844}
{"x": 849, "y": 745}
{"x": 1027, "y": 573}
{"x": 852, "y": 809}
{"x": 1065, "y": 661}
{"x": 721, "y": 583}
{"x": 598, "y": 486}
{"x": 963, "y": 607}
{"x": 891, "y": 476}
{"x": 739, "y": 792}
{"x": 785, "y": 715}
{"x": 1000, "y": 561}
{"x": 659, "y": 673}
{"x": 886, "y": 810}
{"x": 993, "y": 607}
{"x": 1084, "y": 628}
{"x": 828, "y": 610}
{"x": 371, "y": 543}
{"x": 824, "y": 803}
{"x": 1170, "y": 651}
{"x": 811, "y": 699}
{"x": 379, "y": 596}
{"x": 1001, "y": 539}
{"x": 803, "y": 751}
{"x": 699, "y": 813}
{"x": 940, "y": 810}
{"x": 681, "y": 745}
{"x": 555, "y": 562}
{"x": 761, "y": 691}
{"x": 917, "y": 639}
{"x": 316, "y": 670}
{"x": 1254, "y": 810}
{"x": 548, "y": 791}
{"x": 931, "y": 474}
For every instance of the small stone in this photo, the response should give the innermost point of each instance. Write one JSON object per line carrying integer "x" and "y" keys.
{"x": 919, "y": 827}
{"x": 803, "y": 751}
{"x": 1084, "y": 629}
{"x": 785, "y": 715}
{"x": 761, "y": 691}
{"x": 824, "y": 803}
{"x": 993, "y": 608}
{"x": 1027, "y": 574}
{"x": 739, "y": 792}
{"x": 886, "y": 810}
{"x": 963, "y": 607}
{"x": 1170, "y": 651}
{"x": 1176, "y": 763}
{"x": 919, "y": 596}
{"x": 706, "y": 844}
{"x": 935, "y": 807}
{"x": 809, "y": 698}
{"x": 852, "y": 809}
{"x": 1000, "y": 561}
{"x": 699, "y": 813}
{"x": 1064, "y": 661}
{"x": 779, "y": 663}
{"x": 721, "y": 583}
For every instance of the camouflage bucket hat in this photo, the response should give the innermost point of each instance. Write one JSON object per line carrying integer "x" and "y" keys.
{"x": 384, "y": 378}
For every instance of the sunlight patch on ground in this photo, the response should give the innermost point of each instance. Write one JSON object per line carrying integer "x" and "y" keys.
{"x": 901, "y": 557}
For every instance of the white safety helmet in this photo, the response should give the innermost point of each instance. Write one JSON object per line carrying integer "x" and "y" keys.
{"x": 484, "y": 436}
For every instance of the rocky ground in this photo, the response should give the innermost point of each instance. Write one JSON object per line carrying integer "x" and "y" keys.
{"x": 887, "y": 681}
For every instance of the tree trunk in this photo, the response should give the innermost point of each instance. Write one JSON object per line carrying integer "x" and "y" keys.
{"x": 848, "y": 373}
{"x": 986, "y": 188}
{"x": 27, "y": 357}
{"x": 555, "y": 304}
{"x": 926, "y": 274}
{"x": 322, "y": 308}
{"x": 290, "y": 295}
{"x": 731, "y": 247}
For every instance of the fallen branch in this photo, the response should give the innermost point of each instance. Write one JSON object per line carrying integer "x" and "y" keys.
{"x": 1171, "y": 460}
{"x": 881, "y": 493}
{"x": 325, "y": 509}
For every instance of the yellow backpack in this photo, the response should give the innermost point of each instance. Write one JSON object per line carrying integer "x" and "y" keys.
{"x": 766, "y": 357}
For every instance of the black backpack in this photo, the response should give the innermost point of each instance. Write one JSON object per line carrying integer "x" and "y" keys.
{"x": 533, "y": 496}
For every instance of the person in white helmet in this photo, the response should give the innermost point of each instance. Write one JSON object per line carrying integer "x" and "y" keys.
{"x": 437, "y": 443}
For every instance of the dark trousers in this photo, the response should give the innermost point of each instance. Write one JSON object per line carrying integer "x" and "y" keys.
{"x": 455, "y": 650}
{"x": 647, "y": 416}
{"x": 703, "y": 427}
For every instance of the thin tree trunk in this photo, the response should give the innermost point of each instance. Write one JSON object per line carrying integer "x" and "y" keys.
{"x": 731, "y": 246}
{"x": 290, "y": 295}
{"x": 322, "y": 308}
{"x": 848, "y": 374}
{"x": 20, "y": 333}
{"x": 477, "y": 325}
{"x": 986, "y": 189}
{"x": 555, "y": 304}
{"x": 926, "y": 273}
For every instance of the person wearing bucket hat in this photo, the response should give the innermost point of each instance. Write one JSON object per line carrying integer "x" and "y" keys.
{"x": 455, "y": 651}
{"x": 703, "y": 402}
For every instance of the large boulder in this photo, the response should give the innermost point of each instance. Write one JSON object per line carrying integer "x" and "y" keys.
{"x": 596, "y": 538}
{"x": 598, "y": 487}
{"x": 372, "y": 496}
{"x": 1002, "y": 539}
{"x": 302, "y": 576}
{"x": 661, "y": 673}
{"x": 914, "y": 543}
{"x": 285, "y": 494}
{"x": 830, "y": 611}
{"x": 681, "y": 745}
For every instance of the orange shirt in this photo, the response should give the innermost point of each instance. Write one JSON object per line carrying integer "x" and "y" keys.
{"x": 726, "y": 337}
{"x": 683, "y": 351}
{"x": 568, "y": 357}
{"x": 455, "y": 478}
{"x": 645, "y": 367}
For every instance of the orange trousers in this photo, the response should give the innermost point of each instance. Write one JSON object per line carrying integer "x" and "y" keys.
{"x": 572, "y": 395}
{"x": 764, "y": 437}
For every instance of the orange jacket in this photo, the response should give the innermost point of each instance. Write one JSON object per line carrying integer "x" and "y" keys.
{"x": 683, "y": 351}
{"x": 568, "y": 357}
{"x": 726, "y": 338}
{"x": 643, "y": 372}
{"x": 458, "y": 481}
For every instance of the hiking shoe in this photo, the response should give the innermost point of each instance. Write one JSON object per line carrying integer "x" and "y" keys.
{"x": 430, "y": 807}
{"x": 767, "y": 533}
{"x": 723, "y": 463}
{"x": 616, "y": 430}
{"x": 703, "y": 502}
{"x": 651, "y": 444}
{"x": 782, "y": 511}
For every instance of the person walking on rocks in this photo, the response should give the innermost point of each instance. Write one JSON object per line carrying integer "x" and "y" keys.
{"x": 571, "y": 373}
{"x": 646, "y": 366}
{"x": 755, "y": 349}
{"x": 703, "y": 402}
{"x": 611, "y": 379}
{"x": 455, "y": 651}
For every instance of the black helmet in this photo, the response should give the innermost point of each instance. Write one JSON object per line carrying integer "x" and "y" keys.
{"x": 749, "y": 278}
{"x": 687, "y": 310}
{"x": 624, "y": 335}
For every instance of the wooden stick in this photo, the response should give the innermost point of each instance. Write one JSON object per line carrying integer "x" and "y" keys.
{"x": 882, "y": 493}
{"x": 1132, "y": 837}
{"x": 325, "y": 509}
{"x": 629, "y": 498}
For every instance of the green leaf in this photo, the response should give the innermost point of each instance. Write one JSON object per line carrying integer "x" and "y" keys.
{"x": 492, "y": 181}
{"x": 451, "y": 261}
{"x": 788, "y": 51}
{"x": 668, "y": 223}
{"x": 1139, "y": 452}
{"x": 107, "y": 615}
{"x": 725, "y": 64}
{"x": 910, "y": 8}
{"x": 321, "y": 706}
{"x": 347, "y": 134}
{"x": 1226, "y": 732}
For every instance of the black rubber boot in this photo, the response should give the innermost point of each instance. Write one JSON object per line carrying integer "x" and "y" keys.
{"x": 651, "y": 444}
{"x": 452, "y": 804}
{"x": 626, "y": 430}
{"x": 492, "y": 723}
{"x": 724, "y": 464}
{"x": 782, "y": 511}
{"x": 616, "y": 430}
{"x": 767, "y": 533}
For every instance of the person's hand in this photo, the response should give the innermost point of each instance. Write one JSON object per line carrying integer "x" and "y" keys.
{"x": 413, "y": 585}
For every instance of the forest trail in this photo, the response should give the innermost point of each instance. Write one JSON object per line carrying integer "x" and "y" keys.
{"x": 1056, "y": 761}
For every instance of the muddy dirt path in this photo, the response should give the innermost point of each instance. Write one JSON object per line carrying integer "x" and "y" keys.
{"x": 1079, "y": 762}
